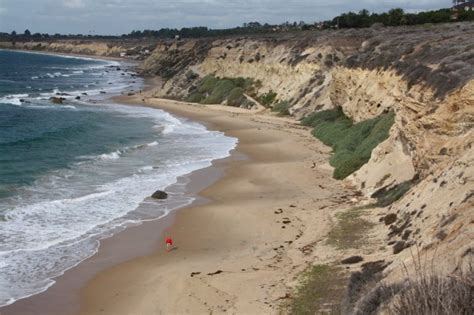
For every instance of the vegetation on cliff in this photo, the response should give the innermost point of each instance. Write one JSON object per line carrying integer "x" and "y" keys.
{"x": 215, "y": 90}
{"x": 283, "y": 108}
{"x": 352, "y": 143}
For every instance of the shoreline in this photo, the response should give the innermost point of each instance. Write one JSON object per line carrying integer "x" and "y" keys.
{"x": 241, "y": 251}
{"x": 63, "y": 296}
{"x": 81, "y": 289}
{"x": 72, "y": 279}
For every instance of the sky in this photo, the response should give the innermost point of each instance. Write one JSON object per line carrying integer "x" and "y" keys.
{"x": 115, "y": 17}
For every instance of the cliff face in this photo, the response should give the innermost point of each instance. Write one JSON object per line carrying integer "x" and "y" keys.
{"x": 424, "y": 74}
{"x": 131, "y": 49}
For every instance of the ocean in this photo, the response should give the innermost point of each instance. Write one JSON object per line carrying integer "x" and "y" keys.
{"x": 74, "y": 173}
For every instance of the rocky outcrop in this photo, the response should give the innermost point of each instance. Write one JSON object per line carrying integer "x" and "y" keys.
{"x": 57, "y": 100}
{"x": 91, "y": 47}
{"x": 159, "y": 194}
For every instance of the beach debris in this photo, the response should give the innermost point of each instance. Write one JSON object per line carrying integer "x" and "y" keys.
{"x": 195, "y": 273}
{"x": 279, "y": 211}
{"x": 292, "y": 206}
{"x": 286, "y": 221}
{"x": 78, "y": 97}
{"x": 215, "y": 273}
{"x": 57, "y": 100}
{"x": 159, "y": 194}
{"x": 352, "y": 260}
{"x": 130, "y": 94}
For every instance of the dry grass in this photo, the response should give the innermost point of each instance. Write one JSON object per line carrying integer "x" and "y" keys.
{"x": 423, "y": 291}
{"x": 350, "y": 230}
{"x": 320, "y": 291}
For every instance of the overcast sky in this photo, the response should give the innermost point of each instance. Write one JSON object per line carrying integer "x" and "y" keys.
{"x": 122, "y": 16}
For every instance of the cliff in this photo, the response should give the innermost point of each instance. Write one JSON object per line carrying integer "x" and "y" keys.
{"x": 131, "y": 49}
{"x": 425, "y": 75}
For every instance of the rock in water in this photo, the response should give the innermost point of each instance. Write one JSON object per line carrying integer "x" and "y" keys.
{"x": 159, "y": 194}
{"x": 57, "y": 100}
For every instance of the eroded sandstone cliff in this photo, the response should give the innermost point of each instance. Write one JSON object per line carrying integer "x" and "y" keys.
{"x": 425, "y": 75}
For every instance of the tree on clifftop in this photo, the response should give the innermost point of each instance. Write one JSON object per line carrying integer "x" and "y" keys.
{"x": 27, "y": 33}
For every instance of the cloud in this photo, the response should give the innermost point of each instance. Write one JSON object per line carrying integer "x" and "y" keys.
{"x": 74, "y": 4}
{"x": 123, "y": 16}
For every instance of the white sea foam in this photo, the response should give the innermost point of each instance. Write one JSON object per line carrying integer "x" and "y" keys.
{"x": 58, "y": 221}
{"x": 110, "y": 156}
{"x": 13, "y": 99}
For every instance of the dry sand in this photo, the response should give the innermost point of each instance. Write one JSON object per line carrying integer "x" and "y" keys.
{"x": 239, "y": 253}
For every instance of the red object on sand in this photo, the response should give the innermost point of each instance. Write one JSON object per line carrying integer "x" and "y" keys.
{"x": 169, "y": 241}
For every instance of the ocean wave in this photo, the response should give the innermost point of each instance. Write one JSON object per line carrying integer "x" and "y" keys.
{"x": 118, "y": 153}
{"x": 110, "y": 156}
{"x": 13, "y": 99}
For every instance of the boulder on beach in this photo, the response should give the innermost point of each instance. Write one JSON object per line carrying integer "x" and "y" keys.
{"x": 159, "y": 194}
{"x": 57, "y": 100}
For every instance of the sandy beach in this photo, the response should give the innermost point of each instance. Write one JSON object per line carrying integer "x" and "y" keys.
{"x": 240, "y": 252}
{"x": 239, "y": 247}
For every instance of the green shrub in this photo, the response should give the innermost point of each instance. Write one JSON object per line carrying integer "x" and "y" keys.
{"x": 195, "y": 97}
{"x": 207, "y": 84}
{"x": 214, "y": 90}
{"x": 244, "y": 83}
{"x": 282, "y": 108}
{"x": 267, "y": 99}
{"x": 352, "y": 143}
{"x": 221, "y": 90}
{"x": 236, "y": 97}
